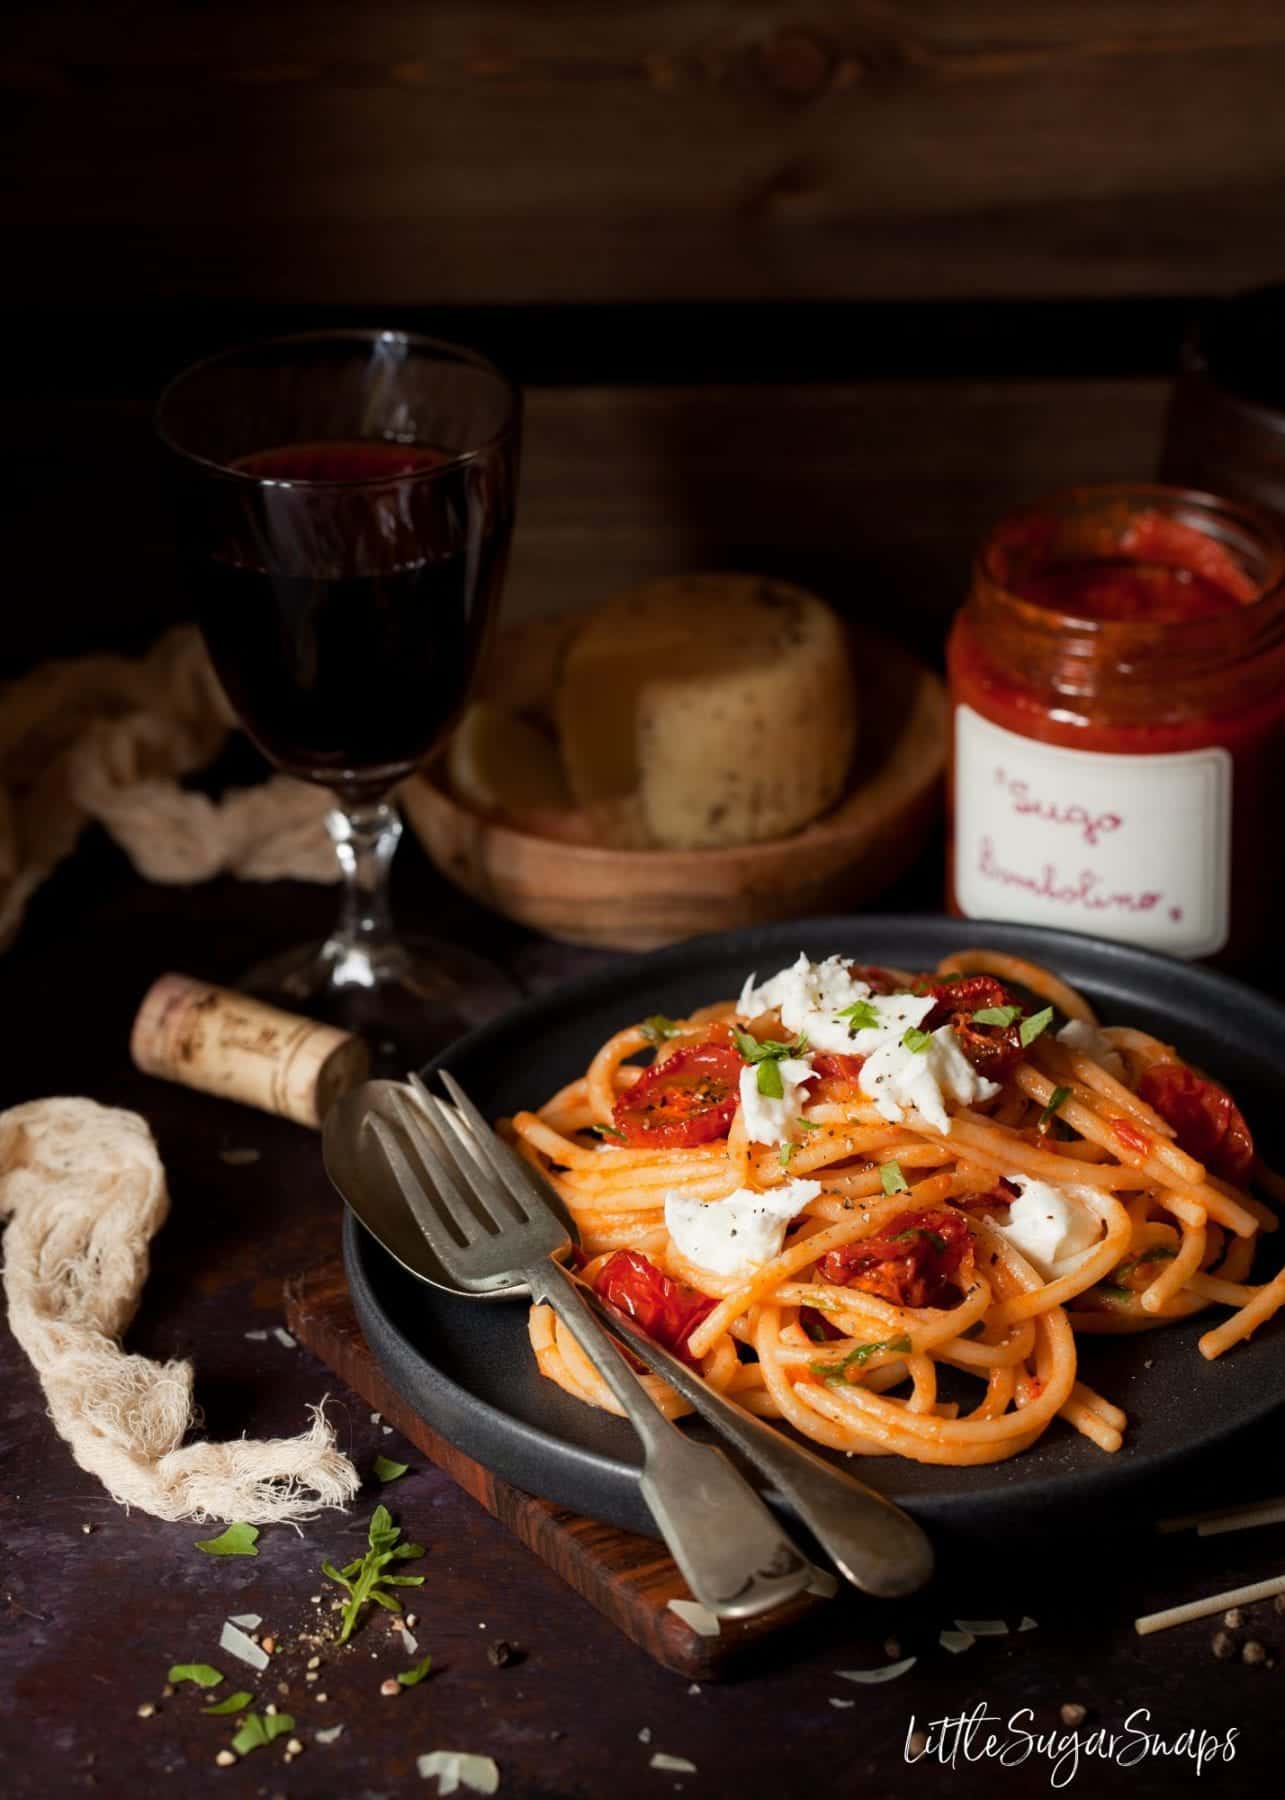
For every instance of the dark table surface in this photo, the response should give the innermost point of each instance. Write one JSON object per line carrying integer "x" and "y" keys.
{"x": 96, "y": 1604}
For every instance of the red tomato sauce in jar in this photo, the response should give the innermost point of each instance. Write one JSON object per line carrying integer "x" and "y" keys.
{"x": 1118, "y": 754}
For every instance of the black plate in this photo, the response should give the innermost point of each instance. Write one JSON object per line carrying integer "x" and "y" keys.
{"x": 469, "y": 1370}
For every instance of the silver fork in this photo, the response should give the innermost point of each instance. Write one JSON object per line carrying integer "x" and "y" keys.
{"x": 874, "y": 1544}
{"x": 491, "y": 1228}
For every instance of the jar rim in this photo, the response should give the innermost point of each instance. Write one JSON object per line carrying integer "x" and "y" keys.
{"x": 1255, "y": 619}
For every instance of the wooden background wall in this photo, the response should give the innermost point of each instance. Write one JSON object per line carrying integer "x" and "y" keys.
{"x": 780, "y": 174}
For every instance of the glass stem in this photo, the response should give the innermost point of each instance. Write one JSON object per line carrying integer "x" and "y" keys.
{"x": 365, "y": 835}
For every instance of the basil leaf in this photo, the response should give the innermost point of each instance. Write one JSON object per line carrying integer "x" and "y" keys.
{"x": 860, "y": 1016}
{"x": 201, "y": 1673}
{"x": 256, "y": 1732}
{"x": 607, "y": 1131}
{"x": 385, "y": 1470}
{"x": 997, "y": 1015}
{"x": 237, "y": 1540}
{"x": 234, "y": 1703}
{"x": 756, "y": 1050}
{"x": 769, "y": 1080}
{"x": 935, "y": 1238}
{"x": 891, "y": 1178}
{"x": 658, "y": 1028}
{"x": 858, "y": 1358}
{"x": 1057, "y": 1099}
{"x": 808, "y": 1125}
{"x": 413, "y": 1677}
{"x": 1031, "y": 1028}
{"x": 916, "y": 1040}
{"x": 785, "y": 1153}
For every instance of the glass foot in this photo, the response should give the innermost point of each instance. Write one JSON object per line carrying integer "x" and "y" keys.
{"x": 408, "y": 998}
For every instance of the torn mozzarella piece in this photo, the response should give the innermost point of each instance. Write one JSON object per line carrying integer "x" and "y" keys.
{"x": 1052, "y": 1226}
{"x": 740, "y": 1233}
{"x": 768, "y": 1120}
{"x": 809, "y": 997}
{"x": 1078, "y": 1034}
{"x": 899, "y": 1080}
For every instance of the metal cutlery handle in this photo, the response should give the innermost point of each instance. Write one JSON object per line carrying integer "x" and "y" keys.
{"x": 879, "y": 1548}
{"x": 733, "y": 1553}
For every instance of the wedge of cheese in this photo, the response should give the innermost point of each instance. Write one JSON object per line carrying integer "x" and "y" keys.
{"x": 498, "y": 763}
{"x": 727, "y": 702}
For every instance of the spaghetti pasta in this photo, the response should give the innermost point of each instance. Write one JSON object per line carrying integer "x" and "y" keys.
{"x": 956, "y": 1176}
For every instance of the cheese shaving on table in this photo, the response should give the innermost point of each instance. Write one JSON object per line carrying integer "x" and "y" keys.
{"x": 459, "y": 1768}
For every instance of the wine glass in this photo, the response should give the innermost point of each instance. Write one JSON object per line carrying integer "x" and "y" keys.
{"x": 346, "y": 501}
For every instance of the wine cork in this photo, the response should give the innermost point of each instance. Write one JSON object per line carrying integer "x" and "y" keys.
{"x": 227, "y": 1044}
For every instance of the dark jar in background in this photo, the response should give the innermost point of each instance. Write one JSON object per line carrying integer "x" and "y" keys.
{"x": 1225, "y": 427}
{"x": 1117, "y": 681}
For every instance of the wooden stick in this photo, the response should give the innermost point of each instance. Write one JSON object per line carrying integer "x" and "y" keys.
{"x": 1201, "y": 1609}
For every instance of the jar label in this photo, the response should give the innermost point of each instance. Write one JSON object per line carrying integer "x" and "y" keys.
{"x": 1130, "y": 847}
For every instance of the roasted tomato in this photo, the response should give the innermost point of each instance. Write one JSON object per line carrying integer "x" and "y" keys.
{"x": 843, "y": 1070}
{"x": 1208, "y": 1123}
{"x": 993, "y": 1050}
{"x": 879, "y": 981}
{"x": 687, "y": 1099}
{"x": 667, "y": 1310}
{"x": 917, "y": 1261}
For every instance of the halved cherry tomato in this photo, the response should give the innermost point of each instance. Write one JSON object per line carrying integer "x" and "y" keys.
{"x": 915, "y": 1263}
{"x": 1209, "y": 1124}
{"x": 667, "y": 1310}
{"x": 687, "y": 1099}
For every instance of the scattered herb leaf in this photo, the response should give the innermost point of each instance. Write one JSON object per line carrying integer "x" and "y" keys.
{"x": 891, "y": 1178}
{"x": 860, "y": 1016}
{"x": 365, "y": 1577}
{"x": 658, "y": 1028}
{"x": 384, "y": 1469}
{"x": 858, "y": 1358}
{"x": 916, "y": 1040}
{"x": 237, "y": 1540}
{"x": 1056, "y": 1101}
{"x": 917, "y": 1231}
{"x": 761, "y": 1050}
{"x": 1031, "y": 1028}
{"x": 768, "y": 1080}
{"x": 997, "y": 1015}
{"x": 785, "y": 1153}
{"x": 259, "y": 1730}
{"x": 606, "y": 1131}
{"x": 808, "y": 1125}
{"x": 201, "y": 1673}
{"x": 1157, "y": 1253}
{"x": 413, "y": 1677}
{"x": 234, "y": 1703}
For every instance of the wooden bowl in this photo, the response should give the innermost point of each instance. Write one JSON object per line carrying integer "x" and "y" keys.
{"x": 641, "y": 899}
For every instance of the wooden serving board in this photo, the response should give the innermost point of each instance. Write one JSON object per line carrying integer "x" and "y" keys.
{"x": 630, "y": 1579}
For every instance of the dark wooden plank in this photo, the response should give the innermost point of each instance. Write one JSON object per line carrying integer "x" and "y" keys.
{"x": 630, "y": 1579}
{"x": 874, "y": 493}
{"x": 485, "y": 150}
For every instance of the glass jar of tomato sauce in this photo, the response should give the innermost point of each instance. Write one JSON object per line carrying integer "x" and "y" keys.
{"x": 1117, "y": 679}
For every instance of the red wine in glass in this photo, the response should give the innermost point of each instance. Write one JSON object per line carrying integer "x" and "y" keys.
{"x": 345, "y": 508}
{"x": 348, "y": 661}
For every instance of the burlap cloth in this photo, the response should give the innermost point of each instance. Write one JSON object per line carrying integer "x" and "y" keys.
{"x": 108, "y": 738}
